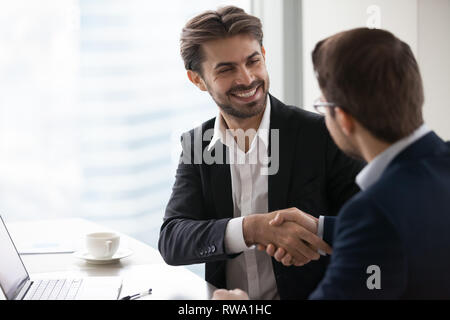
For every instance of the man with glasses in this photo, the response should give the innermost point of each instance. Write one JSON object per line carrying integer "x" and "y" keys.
{"x": 392, "y": 240}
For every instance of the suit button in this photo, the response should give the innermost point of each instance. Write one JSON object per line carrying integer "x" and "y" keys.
{"x": 202, "y": 252}
{"x": 209, "y": 250}
{"x": 213, "y": 248}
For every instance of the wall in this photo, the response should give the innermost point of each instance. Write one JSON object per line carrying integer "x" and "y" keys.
{"x": 434, "y": 61}
{"x": 423, "y": 24}
{"x": 322, "y": 18}
{"x": 271, "y": 14}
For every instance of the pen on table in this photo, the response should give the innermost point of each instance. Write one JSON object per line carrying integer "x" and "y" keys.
{"x": 137, "y": 295}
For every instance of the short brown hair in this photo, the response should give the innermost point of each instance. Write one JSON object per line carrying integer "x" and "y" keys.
{"x": 373, "y": 76}
{"x": 211, "y": 25}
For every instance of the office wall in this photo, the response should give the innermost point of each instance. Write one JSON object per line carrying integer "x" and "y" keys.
{"x": 434, "y": 61}
{"x": 271, "y": 14}
{"x": 423, "y": 24}
{"x": 322, "y": 18}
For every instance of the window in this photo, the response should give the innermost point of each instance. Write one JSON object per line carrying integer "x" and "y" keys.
{"x": 94, "y": 100}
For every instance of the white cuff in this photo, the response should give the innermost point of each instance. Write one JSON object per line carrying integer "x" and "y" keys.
{"x": 234, "y": 237}
{"x": 320, "y": 232}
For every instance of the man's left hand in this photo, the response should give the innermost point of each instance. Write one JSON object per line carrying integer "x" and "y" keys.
{"x": 236, "y": 294}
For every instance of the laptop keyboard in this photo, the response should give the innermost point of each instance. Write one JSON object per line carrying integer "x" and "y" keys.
{"x": 61, "y": 289}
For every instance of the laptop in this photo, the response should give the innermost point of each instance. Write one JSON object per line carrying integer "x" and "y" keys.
{"x": 16, "y": 284}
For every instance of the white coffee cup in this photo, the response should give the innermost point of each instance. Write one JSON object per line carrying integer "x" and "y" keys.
{"x": 102, "y": 245}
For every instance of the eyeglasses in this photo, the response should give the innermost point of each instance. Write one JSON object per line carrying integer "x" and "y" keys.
{"x": 321, "y": 107}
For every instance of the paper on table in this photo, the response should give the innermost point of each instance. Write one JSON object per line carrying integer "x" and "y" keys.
{"x": 37, "y": 237}
{"x": 44, "y": 247}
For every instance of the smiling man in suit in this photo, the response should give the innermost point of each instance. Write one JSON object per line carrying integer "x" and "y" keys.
{"x": 257, "y": 156}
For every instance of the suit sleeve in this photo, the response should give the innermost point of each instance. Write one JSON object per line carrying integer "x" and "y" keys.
{"x": 328, "y": 229}
{"x": 188, "y": 234}
{"x": 364, "y": 241}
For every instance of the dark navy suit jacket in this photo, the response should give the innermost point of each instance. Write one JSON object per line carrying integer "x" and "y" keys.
{"x": 400, "y": 224}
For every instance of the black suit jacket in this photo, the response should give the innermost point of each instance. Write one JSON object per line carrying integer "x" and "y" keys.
{"x": 313, "y": 176}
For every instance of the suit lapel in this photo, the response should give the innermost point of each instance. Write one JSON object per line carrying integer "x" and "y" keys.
{"x": 221, "y": 184}
{"x": 278, "y": 184}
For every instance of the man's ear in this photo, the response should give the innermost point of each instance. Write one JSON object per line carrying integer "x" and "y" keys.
{"x": 196, "y": 79}
{"x": 263, "y": 51}
{"x": 345, "y": 121}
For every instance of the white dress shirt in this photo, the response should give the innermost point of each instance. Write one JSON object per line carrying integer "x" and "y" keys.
{"x": 252, "y": 270}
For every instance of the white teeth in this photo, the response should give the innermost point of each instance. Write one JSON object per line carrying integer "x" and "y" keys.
{"x": 246, "y": 94}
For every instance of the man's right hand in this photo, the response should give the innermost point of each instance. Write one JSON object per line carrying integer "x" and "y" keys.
{"x": 297, "y": 216}
{"x": 297, "y": 238}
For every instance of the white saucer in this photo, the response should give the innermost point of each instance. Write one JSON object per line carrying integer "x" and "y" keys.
{"x": 86, "y": 256}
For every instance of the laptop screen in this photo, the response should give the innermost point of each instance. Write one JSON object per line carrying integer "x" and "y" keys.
{"x": 12, "y": 271}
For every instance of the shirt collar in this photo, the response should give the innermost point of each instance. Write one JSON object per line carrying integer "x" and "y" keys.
{"x": 220, "y": 128}
{"x": 373, "y": 170}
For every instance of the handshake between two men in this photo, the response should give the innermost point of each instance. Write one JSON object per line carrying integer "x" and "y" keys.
{"x": 289, "y": 235}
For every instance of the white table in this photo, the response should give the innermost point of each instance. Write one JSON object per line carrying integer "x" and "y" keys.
{"x": 142, "y": 270}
